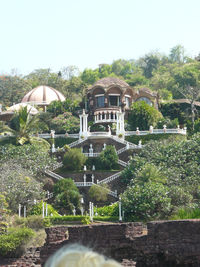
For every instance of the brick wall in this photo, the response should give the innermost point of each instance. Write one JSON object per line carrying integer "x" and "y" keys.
{"x": 166, "y": 243}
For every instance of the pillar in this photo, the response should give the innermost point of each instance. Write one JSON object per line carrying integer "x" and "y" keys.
{"x": 120, "y": 124}
{"x": 83, "y": 125}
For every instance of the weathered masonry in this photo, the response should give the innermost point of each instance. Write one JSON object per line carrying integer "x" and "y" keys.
{"x": 162, "y": 244}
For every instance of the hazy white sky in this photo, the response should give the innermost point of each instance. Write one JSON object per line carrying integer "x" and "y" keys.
{"x": 57, "y": 33}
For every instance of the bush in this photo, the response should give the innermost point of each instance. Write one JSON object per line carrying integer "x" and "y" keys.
{"x": 185, "y": 213}
{"x": 106, "y": 218}
{"x": 67, "y": 196}
{"x": 98, "y": 193}
{"x": 42, "y": 143}
{"x": 150, "y": 137}
{"x": 12, "y": 243}
{"x": 74, "y": 159}
{"x": 111, "y": 210}
{"x": 61, "y": 141}
{"x": 37, "y": 209}
{"x": 108, "y": 158}
{"x": 146, "y": 202}
{"x": 143, "y": 116}
{"x": 66, "y": 219}
{"x": 35, "y": 222}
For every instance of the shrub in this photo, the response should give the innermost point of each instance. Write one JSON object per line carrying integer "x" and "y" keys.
{"x": 74, "y": 159}
{"x": 111, "y": 210}
{"x": 143, "y": 116}
{"x": 37, "y": 209}
{"x": 106, "y": 218}
{"x": 12, "y": 243}
{"x": 98, "y": 193}
{"x": 66, "y": 219}
{"x": 67, "y": 196}
{"x": 108, "y": 158}
{"x": 150, "y": 137}
{"x": 35, "y": 222}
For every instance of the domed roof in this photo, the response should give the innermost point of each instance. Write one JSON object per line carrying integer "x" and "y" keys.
{"x": 110, "y": 82}
{"x": 16, "y": 107}
{"x": 43, "y": 95}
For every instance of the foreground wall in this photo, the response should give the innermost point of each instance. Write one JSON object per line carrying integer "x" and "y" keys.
{"x": 166, "y": 243}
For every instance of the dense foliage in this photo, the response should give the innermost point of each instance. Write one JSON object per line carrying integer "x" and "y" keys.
{"x": 162, "y": 73}
{"x": 12, "y": 242}
{"x": 74, "y": 159}
{"x": 143, "y": 116}
{"x": 108, "y": 158}
{"x": 34, "y": 158}
{"x": 66, "y": 196}
{"x": 98, "y": 193}
{"x": 173, "y": 181}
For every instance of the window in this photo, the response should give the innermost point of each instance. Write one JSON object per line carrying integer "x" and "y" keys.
{"x": 100, "y": 101}
{"x": 147, "y": 100}
{"x": 113, "y": 100}
{"x": 127, "y": 101}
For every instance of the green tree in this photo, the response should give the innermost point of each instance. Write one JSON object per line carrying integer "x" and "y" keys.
{"x": 150, "y": 63}
{"x": 143, "y": 116}
{"x": 17, "y": 185}
{"x": 146, "y": 202}
{"x": 65, "y": 123}
{"x": 108, "y": 158}
{"x": 12, "y": 89}
{"x": 90, "y": 76}
{"x": 66, "y": 196}
{"x": 98, "y": 193}
{"x": 23, "y": 125}
{"x": 74, "y": 159}
{"x": 177, "y": 54}
{"x": 56, "y": 108}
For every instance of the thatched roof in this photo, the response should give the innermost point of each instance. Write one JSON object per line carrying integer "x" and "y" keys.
{"x": 108, "y": 82}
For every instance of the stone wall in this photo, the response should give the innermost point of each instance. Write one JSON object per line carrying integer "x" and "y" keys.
{"x": 164, "y": 244}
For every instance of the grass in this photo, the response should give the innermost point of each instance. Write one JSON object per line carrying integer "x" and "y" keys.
{"x": 186, "y": 214}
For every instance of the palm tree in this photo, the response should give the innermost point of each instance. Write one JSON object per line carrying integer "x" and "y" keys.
{"x": 22, "y": 126}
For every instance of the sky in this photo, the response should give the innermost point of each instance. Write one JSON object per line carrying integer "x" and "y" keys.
{"x": 57, "y": 33}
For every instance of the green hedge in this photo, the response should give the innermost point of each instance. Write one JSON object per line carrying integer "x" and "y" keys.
{"x": 149, "y": 137}
{"x": 12, "y": 243}
{"x": 106, "y": 218}
{"x": 78, "y": 218}
{"x": 61, "y": 141}
{"x": 66, "y": 219}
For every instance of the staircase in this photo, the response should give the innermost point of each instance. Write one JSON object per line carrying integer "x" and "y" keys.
{"x": 110, "y": 178}
{"x": 122, "y": 163}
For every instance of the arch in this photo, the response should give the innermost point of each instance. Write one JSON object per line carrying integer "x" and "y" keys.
{"x": 146, "y": 99}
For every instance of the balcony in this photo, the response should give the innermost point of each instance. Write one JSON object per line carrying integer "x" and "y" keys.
{"x": 106, "y": 115}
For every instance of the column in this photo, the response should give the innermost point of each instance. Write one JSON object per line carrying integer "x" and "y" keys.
{"x": 92, "y": 178}
{"x": 84, "y": 179}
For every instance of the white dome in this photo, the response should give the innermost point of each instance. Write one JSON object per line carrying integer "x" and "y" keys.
{"x": 43, "y": 95}
{"x": 31, "y": 109}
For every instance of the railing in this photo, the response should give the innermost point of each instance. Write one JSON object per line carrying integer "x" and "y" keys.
{"x": 110, "y": 178}
{"x": 105, "y": 120}
{"x": 48, "y": 135}
{"x": 157, "y": 131}
{"x": 53, "y": 175}
{"x": 128, "y": 144}
{"x": 81, "y": 184}
{"x": 58, "y": 165}
{"x": 121, "y": 162}
{"x": 99, "y": 133}
{"x": 121, "y": 150}
{"x": 94, "y": 155}
{"x": 77, "y": 142}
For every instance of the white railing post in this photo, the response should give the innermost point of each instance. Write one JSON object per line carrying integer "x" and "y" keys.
{"x": 151, "y": 129}
{"x": 120, "y": 210}
{"x": 164, "y": 128}
{"x": 20, "y": 210}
